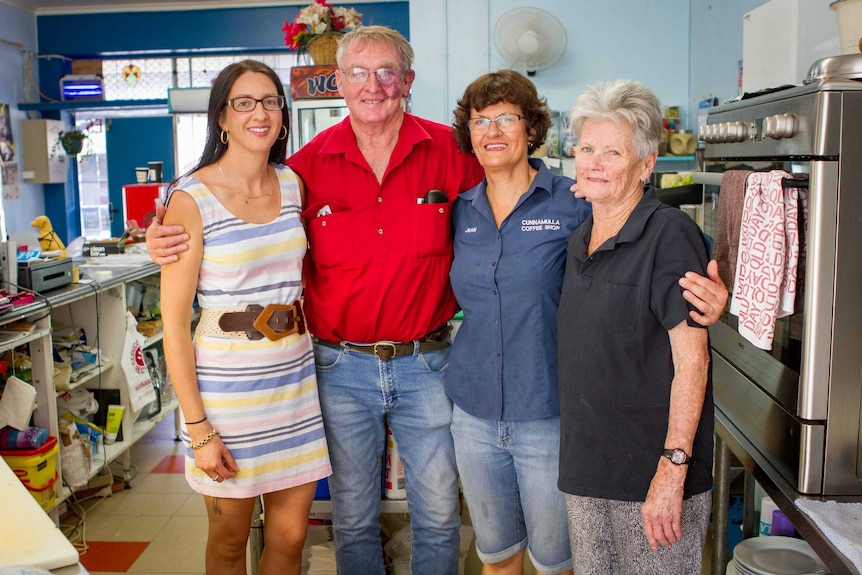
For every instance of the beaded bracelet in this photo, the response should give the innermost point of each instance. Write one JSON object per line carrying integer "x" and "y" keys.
{"x": 205, "y": 440}
{"x": 196, "y": 422}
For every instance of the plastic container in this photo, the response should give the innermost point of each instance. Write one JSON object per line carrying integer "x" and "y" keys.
{"x": 848, "y": 13}
{"x": 322, "y": 490}
{"x": 29, "y": 438}
{"x": 36, "y": 468}
{"x": 781, "y": 525}
{"x": 767, "y": 508}
{"x": 46, "y": 495}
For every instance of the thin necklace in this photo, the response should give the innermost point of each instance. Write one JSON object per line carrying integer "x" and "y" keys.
{"x": 236, "y": 191}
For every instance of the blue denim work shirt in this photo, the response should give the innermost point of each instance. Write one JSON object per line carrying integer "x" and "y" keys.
{"x": 503, "y": 364}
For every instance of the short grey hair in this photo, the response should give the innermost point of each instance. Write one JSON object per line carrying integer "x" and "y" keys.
{"x": 368, "y": 34}
{"x": 622, "y": 101}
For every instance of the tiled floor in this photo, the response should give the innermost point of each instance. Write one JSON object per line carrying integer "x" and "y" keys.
{"x": 159, "y": 525}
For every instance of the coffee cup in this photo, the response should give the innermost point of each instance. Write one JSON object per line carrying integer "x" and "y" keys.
{"x": 141, "y": 175}
{"x": 155, "y": 172}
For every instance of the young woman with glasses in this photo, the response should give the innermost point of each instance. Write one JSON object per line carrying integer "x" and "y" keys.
{"x": 246, "y": 381}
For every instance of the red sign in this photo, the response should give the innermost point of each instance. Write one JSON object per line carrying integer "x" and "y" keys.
{"x": 313, "y": 82}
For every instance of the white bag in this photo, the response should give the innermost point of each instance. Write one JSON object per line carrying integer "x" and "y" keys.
{"x": 141, "y": 390}
{"x": 74, "y": 460}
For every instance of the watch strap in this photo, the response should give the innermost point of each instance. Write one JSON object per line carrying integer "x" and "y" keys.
{"x": 677, "y": 456}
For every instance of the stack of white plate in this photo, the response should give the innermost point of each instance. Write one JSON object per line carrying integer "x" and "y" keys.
{"x": 775, "y": 556}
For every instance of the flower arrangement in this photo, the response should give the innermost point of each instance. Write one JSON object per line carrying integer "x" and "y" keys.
{"x": 317, "y": 19}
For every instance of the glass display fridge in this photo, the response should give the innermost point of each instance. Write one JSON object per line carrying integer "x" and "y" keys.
{"x": 314, "y": 103}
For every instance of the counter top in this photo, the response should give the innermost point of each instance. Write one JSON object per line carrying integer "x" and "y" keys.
{"x": 97, "y": 274}
{"x": 31, "y": 538}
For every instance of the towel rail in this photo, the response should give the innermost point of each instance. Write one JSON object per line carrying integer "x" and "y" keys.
{"x": 714, "y": 179}
{"x": 707, "y": 178}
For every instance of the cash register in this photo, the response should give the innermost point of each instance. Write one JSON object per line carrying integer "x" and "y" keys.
{"x": 40, "y": 274}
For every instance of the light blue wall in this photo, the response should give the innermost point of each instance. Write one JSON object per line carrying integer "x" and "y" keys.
{"x": 645, "y": 40}
{"x": 686, "y": 50}
{"x": 18, "y": 27}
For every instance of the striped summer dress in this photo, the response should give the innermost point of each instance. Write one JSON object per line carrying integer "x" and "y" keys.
{"x": 260, "y": 395}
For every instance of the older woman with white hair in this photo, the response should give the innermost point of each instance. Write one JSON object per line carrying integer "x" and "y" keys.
{"x": 636, "y": 395}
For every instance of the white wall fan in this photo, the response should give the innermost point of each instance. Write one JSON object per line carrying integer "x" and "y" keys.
{"x": 530, "y": 39}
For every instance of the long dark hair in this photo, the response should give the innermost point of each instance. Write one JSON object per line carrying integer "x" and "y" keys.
{"x": 214, "y": 149}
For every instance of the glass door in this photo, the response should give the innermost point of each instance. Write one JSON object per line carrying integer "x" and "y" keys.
{"x": 310, "y": 117}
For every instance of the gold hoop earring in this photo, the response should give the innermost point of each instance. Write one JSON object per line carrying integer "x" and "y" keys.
{"x": 284, "y": 135}
{"x": 223, "y": 137}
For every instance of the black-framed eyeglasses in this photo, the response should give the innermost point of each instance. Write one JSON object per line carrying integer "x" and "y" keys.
{"x": 505, "y": 123}
{"x": 385, "y": 76}
{"x": 248, "y": 104}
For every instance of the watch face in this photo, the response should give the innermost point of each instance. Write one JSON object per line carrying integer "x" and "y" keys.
{"x": 678, "y": 456}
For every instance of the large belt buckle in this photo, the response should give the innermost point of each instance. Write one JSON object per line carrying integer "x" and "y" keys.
{"x": 385, "y": 350}
{"x": 261, "y": 322}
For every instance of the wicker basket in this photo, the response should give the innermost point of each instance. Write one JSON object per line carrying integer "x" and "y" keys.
{"x": 322, "y": 48}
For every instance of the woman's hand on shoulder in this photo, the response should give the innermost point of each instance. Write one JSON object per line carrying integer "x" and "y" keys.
{"x": 577, "y": 191}
{"x": 707, "y": 294}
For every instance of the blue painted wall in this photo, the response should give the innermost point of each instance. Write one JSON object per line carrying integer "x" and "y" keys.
{"x": 133, "y": 142}
{"x": 256, "y": 28}
{"x": 106, "y": 35}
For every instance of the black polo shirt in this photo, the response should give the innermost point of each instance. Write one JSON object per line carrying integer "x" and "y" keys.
{"x": 615, "y": 363}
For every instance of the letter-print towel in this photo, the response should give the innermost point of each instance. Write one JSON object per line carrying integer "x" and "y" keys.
{"x": 766, "y": 268}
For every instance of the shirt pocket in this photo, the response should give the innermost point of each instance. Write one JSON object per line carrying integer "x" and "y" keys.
{"x": 621, "y": 309}
{"x": 330, "y": 235}
{"x": 432, "y": 235}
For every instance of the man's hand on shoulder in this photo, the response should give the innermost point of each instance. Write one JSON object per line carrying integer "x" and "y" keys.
{"x": 165, "y": 242}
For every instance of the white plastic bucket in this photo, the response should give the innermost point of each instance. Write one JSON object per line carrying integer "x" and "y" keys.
{"x": 849, "y": 16}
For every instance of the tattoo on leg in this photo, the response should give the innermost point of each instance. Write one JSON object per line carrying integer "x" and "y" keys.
{"x": 216, "y": 505}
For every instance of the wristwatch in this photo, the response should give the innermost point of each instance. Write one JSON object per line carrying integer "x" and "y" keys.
{"x": 677, "y": 456}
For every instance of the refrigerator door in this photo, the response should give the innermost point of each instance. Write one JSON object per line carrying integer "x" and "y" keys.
{"x": 312, "y": 116}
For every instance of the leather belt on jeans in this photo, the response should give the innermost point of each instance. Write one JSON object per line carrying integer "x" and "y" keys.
{"x": 386, "y": 350}
{"x": 273, "y": 322}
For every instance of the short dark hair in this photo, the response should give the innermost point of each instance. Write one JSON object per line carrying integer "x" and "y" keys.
{"x": 503, "y": 86}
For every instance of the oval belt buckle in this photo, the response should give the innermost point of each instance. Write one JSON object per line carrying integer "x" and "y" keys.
{"x": 385, "y": 350}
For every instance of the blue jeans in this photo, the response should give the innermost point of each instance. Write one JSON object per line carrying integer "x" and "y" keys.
{"x": 356, "y": 391}
{"x": 509, "y": 472}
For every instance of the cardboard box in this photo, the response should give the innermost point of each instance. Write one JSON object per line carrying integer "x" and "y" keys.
{"x": 104, "y": 248}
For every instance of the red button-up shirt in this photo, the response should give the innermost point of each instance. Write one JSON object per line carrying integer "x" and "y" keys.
{"x": 378, "y": 263}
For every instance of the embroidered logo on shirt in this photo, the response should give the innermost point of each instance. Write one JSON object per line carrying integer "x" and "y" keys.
{"x": 470, "y": 230}
{"x": 540, "y": 225}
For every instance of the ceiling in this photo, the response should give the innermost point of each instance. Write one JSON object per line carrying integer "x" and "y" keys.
{"x": 44, "y": 7}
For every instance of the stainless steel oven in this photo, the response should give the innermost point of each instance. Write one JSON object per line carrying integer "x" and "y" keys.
{"x": 800, "y": 404}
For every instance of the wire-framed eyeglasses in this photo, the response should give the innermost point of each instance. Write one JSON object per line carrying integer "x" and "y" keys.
{"x": 248, "y": 104}
{"x": 385, "y": 76}
{"x": 505, "y": 123}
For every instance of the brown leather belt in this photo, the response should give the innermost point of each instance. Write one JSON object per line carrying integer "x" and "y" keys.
{"x": 273, "y": 322}
{"x": 386, "y": 350}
